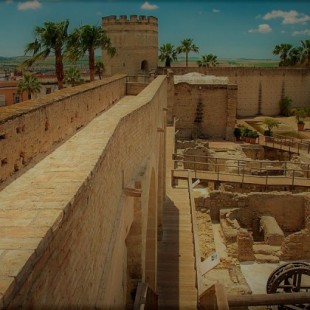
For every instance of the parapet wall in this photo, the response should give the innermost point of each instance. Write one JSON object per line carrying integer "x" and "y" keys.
{"x": 33, "y": 128}
{"x": 260, "y": 89}
{"x": 141, "y": 19}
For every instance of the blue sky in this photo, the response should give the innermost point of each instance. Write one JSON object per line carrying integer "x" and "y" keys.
{"x": 228, "y": 29}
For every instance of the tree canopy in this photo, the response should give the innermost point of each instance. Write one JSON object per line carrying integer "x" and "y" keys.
{"x": 50, "y": 39}
{"x": 87, "y": 39}
{"x": 30, "y": 84}
{"x": 293, "y": 55}
{"x": 168, "y": 54}
{"x": 187, "y": 46}
{"x": 209, "y": 60}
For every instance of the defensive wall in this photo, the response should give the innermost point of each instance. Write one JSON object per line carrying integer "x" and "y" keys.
{"x": 79, "y": 228}
{"x": 260, "y": 89}
{"x": 36, "y": 126}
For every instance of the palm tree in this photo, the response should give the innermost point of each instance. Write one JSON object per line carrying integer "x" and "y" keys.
{"x": 88, "y": 38}
{"x": 186, "y": 47}
{"x": 306, "y": 51}
{"x": 99, "y": 69}
{"x": 282, "y": 50}
{"x": 73, "y": 76}
{"x": 49, "y": 39}
{"x": 167, "y": 54}
{"x": 209, "y": 60}
{"x": 295, "y": 56}
{"x": 30, "y": 84}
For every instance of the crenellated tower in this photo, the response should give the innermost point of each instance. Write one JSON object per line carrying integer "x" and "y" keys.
{"x": 136, "y": 43}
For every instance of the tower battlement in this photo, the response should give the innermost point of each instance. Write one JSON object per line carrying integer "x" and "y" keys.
{"x": 133, "y": 19}
{"x": 135, "y": 39}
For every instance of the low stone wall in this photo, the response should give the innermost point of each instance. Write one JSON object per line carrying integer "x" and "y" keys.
{"x": 288, "y": 209}
{"x": 273, "y": 234}
{"x": 243, "y": 224}
{"x": 35, "y": 127}
{"x": 297, "y": 245}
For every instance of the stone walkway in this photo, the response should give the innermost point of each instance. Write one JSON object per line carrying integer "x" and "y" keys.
{"x": 176, "y": 280}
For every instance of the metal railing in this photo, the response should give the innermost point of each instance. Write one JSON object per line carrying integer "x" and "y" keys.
{"x": 241, "y": 173}
{"x": 243, "y": 166}
{"x": 293, "y": 145}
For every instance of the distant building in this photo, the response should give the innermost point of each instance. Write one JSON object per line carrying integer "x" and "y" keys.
{"x": 9, "y": 95}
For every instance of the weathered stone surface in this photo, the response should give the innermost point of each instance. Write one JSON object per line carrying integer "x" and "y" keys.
{"x": 273, "y": 234}
{"x": 263, "y": 258}
{"x": 245, "y": 246}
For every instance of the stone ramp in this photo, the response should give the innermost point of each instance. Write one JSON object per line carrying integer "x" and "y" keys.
{"x": 176, "y": 277}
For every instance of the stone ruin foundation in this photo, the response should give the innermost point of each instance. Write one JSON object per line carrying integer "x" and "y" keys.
{"x": 262, "y": 227}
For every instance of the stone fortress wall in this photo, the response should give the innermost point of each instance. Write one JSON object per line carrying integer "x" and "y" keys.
{"x": 79, "y": 229}
{"x": 260, "y": 89}
{"x": 136, "y": 43}
{"x": 31, "y": 129}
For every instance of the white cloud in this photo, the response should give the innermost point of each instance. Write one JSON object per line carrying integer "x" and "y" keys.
{"x": 28, "y": 5}
{"x": 262, "y": 28}
{"x": 216, "y": 11}
{"x": 147, "y": 6}
{"x": 289, "y": 17}
{"x": 305, "y": 32}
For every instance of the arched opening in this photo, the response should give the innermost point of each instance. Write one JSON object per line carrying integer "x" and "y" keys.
{"x": 144, "y": 66}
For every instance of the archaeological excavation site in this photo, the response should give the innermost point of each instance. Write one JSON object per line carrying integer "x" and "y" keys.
{"x": 252, "y": 209}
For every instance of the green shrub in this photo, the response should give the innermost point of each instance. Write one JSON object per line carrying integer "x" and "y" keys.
{"x": 300, "y": 114}
{"x": 268, "y": 133}
{"x": 253, "y": 134}
{"x": 285, "y": 106}
{"x": 245, "y": 131}
{"x": 237, "y": 132}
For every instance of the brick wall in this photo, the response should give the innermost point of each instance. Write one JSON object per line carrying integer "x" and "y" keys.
{"x": 78, "y": 217}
